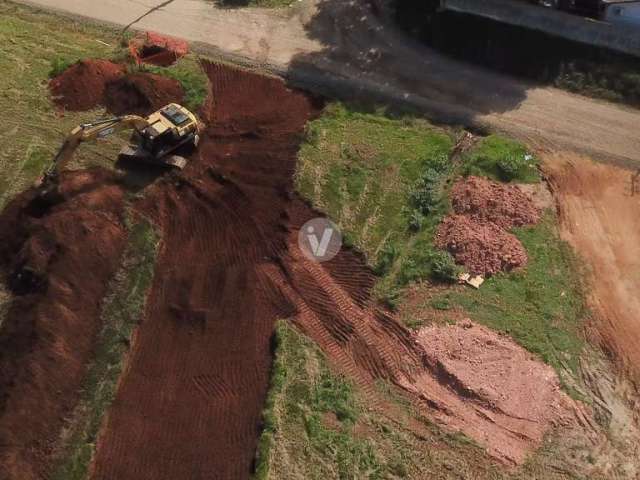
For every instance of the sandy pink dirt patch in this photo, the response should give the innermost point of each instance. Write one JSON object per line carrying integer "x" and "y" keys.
{"x": 518, "y": 393}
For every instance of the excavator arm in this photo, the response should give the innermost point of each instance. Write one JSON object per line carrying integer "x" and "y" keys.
{"x": 85, "y": 132}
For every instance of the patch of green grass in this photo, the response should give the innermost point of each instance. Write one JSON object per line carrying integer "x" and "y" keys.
{"x": 502, "y": 159}
{"x": 540, "y": 306}
{"x": 121, "y": 313}
{"x": 304, "y": 393}
{"x": 191, "y": 76}
{"x": 59, "y": 64}
{"x": 382, "y": 180}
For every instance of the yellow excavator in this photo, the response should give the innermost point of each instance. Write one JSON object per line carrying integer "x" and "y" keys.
{"x": 155, "y": 139}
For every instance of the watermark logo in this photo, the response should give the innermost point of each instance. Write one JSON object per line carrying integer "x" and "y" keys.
{"x": 320, "y": 239}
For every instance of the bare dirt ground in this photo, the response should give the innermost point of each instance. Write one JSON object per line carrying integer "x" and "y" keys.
{"x": 343, "y": 47}
{"x": 51, "y": 326}
{"x": 599, "y": 218}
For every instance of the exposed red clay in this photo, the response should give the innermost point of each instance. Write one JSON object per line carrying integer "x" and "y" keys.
{"x": 503, "y": 204}
{"x": 48, "y": 336}
{"x": 519, "y": 392}
{"x": 156, "y": 49}
{"x": 141, "y": 93}
{"x": 482, "y": 247}
{"x": 190, "y": 403}
{"x": 82, "y": 85}
{"x": 477, "y": 234}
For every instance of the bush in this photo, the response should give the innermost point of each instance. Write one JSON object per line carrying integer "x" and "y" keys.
{"x": 386, "y": 258}
{"x": 426, "y": 194}
{"x": 443, "y": 267}
{"x": 59, "y": 65}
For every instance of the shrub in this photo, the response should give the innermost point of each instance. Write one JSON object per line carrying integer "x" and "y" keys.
{"x": 386, "y": 258}
{"x": 59, "y": 65}
{"x": 443, "y": 267}
{"x": 426, "y": 194}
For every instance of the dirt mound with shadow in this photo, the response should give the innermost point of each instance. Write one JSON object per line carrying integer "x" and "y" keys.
{"x": 156, "y": 49}
{"x": 482, "y": 247}
{"x": 505, "y": 205}
{"x": 141, "y": 94}
{"x": 48, "y": 336}
{"x": 82, "y": 85}
{"x": 477, "y": 234}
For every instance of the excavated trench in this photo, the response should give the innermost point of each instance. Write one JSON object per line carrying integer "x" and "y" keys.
{"x": 189, "y": 403}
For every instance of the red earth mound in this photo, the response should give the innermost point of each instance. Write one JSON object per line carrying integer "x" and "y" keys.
{"x": 505, "y": 205}
{"x": 82, "y": 86}
{"x": 482, "y": 247}
{"x": 48, "y": 336}
{"x": 156, "y": 49}
{"x": 142, "y": 93}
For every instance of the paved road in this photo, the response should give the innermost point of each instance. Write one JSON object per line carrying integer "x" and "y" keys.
{"x": 340, "y": 46}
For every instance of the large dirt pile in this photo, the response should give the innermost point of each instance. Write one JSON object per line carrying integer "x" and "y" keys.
{"x": 482, "y": 247}
{"x": 477, "y": 233}
{"x": 48, "y": 335}
{"x": 503, "y": 204}
{"x": 91, "y": 83}
{"x": 156, "y": 49}
{"x": 493, "y": 371}
{"x": 82, "y": 85}
{"x": 141, "y": 93}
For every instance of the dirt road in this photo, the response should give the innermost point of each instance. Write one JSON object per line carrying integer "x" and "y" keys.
{"x": 599, "y": 218}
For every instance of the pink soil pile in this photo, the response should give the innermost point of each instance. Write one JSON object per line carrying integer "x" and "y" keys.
{"x": 495, "y": 373}
{"x": 82, "y": 86}
{"x": 482, "y": 247}
{"x": 156, "y": 49}
{"x": 505, "y": 205}
{"x": 477, "y": 233}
